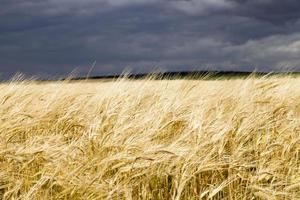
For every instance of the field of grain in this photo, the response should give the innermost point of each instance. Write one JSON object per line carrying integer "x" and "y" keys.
{"x": 151, "y": 139}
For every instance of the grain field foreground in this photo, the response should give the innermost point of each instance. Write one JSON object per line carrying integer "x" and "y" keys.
{"x": 151, "y": 139}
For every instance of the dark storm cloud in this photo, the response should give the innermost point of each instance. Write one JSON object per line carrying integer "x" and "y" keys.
{"x": 53, "y": 37}
{"x": 274, "y": 11}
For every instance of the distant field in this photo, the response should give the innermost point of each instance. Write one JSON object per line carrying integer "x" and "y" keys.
{"x": 151, "y": 139}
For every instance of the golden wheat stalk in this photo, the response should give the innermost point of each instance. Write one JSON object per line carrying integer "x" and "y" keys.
{"x": 151, "y": 139}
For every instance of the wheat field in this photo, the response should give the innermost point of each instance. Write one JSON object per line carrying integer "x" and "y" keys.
{"x": 151, "y": 139}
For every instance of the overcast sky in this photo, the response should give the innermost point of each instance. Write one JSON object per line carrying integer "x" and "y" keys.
{"x": 53, "y": 37}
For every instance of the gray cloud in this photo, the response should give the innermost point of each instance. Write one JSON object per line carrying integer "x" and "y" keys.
{"x": 53, "y": 37}
{"x": 201, "y": 7}
{"x": 274, "y": 11}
